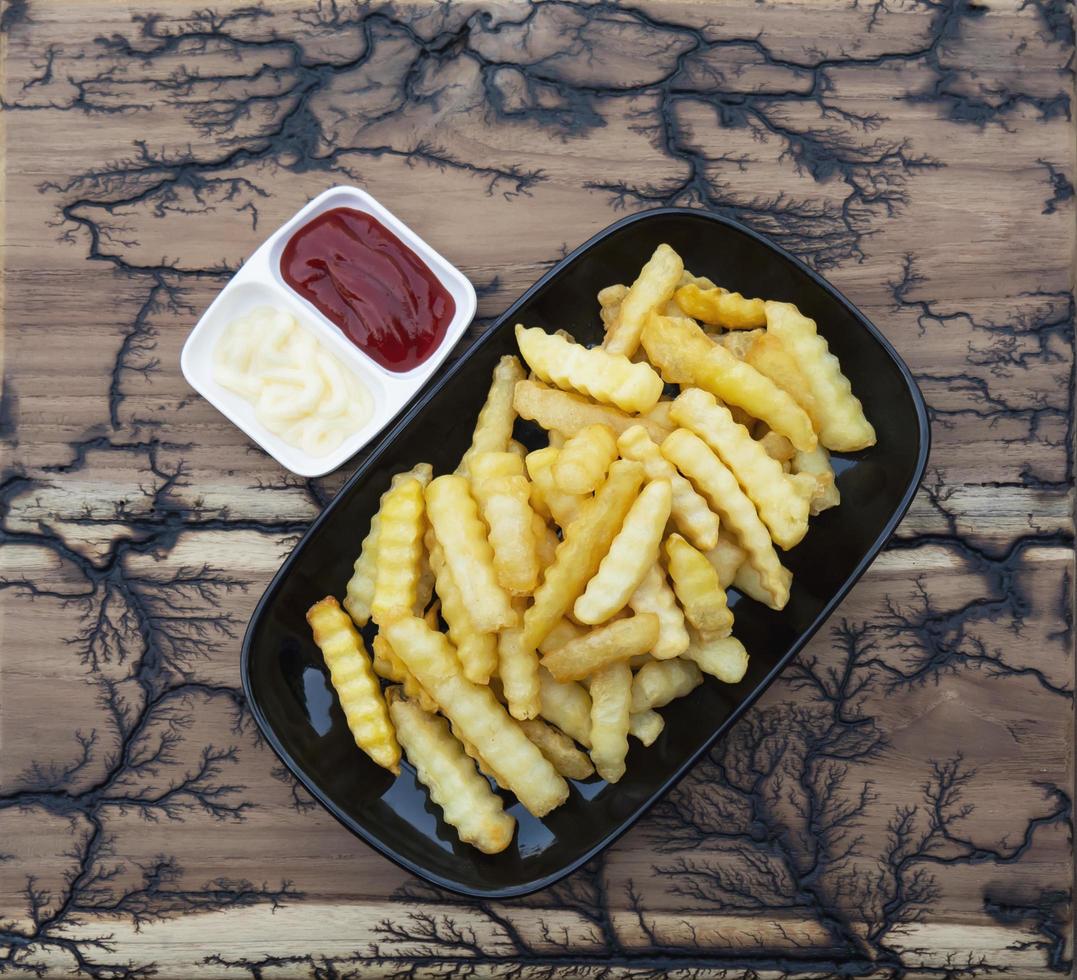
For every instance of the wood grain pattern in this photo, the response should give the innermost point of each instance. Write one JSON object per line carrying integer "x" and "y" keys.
{"x": 899, "y": 805}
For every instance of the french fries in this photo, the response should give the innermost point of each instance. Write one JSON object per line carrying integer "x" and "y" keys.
{"x": 685, "y": 355}
{"x": 690, "y": 512}
{"x": 493, "y": 429}
{"x": 843, "y": 426}
{"x": 526, "y": 605}
{"x": 466, "y": 800}
{"x": 604, "y": 645}
{"x": 633, "y": 551}
{"x": 481, "y": 719}
{"x": 709, "y": 475}
{"x": 454, "y": 516}
{"x": 566, "y": 413}
{"x": 584, "y": 460}
{"x": 652, "y": 289}
{"x": 352, "y": 677}
{"x": 606, "y": 377}
{"x": 782, "y": 501}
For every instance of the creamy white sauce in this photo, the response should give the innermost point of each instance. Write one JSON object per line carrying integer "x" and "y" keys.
{"x": 299, "y": 391}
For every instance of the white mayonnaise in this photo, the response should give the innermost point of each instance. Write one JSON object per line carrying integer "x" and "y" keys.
{"x": 300, "y": 391}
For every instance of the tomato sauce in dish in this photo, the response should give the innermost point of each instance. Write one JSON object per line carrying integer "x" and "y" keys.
{"x": 370, "y": 284}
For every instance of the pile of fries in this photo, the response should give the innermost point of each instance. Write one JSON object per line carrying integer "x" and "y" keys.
{"x": 535, "y": 609}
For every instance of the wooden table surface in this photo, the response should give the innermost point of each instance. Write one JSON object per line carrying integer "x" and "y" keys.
{"x": 899, "y": 804}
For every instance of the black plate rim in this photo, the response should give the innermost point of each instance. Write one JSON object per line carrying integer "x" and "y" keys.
{"x": 674, "y": 777}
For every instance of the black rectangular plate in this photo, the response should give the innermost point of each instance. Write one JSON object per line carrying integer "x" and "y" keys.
{"x": 283, "y": 674}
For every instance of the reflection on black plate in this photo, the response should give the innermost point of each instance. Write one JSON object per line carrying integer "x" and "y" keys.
{"x": 281, "y": 664}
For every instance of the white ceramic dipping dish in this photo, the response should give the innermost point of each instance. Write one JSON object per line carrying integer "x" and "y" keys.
{"x": 259, "y": 283}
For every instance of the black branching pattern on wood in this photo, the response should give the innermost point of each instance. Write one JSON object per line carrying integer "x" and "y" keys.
{"x": 779, "y": 854}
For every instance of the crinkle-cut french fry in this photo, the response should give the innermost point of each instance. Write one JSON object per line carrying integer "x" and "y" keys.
{"x": 475, "y": 756}
{"x": 726, "y": 557}
{"x": 843, "y": 426}
{"x": 750, "y": 582}
{"x": 566, "y": 705}
{"x": 632, "y": 554}
{"x": 658, "y": 683}
{"x": 389, "y": 666}
{"x": 687, "y": 356}
{"x": 767, "y": 355}
{"x": 611, "y": 699}
{"x": 504, "y": 497}
{"x": 721, "y": 308}
{"x": 360, "y": 590}
{"x": 653, "y": 595}
{"x": 661, "y": 414}
{"x": 546, "y": 540}
{"x": 778, "y": 447}
{"x": 546, "y": 496}
{"x": 690, "y": 512}
{"x": 466, "y": 800}
{"x": 701, "y": 281}
{"x": 606, "y": 377}
{"x": 481, "y": 719}
{"x": 711, "y": 477}
{"x": 723, "y": 657}
{"x": 612, "y": 295}
{"x": 477, "y": 651}
{"x": 653, "y": 288}
{"x": 816, "y": 464}
{"x": 400, "y": 551}
{"x": 566, "y": 413}
{"x": 646, "y": 726}
{"x": 517, "y": 666}
{"x": 562, "y": 631}
{"x": 695, "y": 581}
{"x": 558, "y": 748}
{"x": 782, "y": 501}
{"x": 739, "y": 342}
{"x": 454, "y": 516}
{"x": 612, "y": 643}
{"x": 584, "y": 460}
{"x": 352, "y": 677}
{"x": 493, "y": 429}
{"x": 586, "y": 541}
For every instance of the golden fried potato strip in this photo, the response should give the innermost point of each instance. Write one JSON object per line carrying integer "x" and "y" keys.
{"x": 612, "y": 643}
{"x": 611, "y": 700}
{"x": 721, "y": 308}
{"x": 632, "y": 554}
{"x": 586, "y": 541}
{"x": 653, "y": 595}
{"x": 658, "y": 683}
{"x": 695, "y": 581}
{"x": 360, "y": 589}
{"x": 782, "y": 501}
{"x": 652, "y": 289}
{"x": 466, "y": 800}
{"x": 816, "y": 464}
{"x": 559, "y": 749}
{"x": 723, "y": 657}
{"x": 504, "y": 497}
{"x": 352, "y": 677}
{"x": 400, "y": 551}
{"x": 687, "y": 356}
{"x": 493, "y": 429}
{"x": 609, "y": 378}
{"x": 481, "y": 719}
{"x": 517, "y": 666}
{"x": 546, "y": 496}
{"x": 454, "y": 516}
{"x": 565, "y": 413}
{"x": 583, "y": 462}
{"x": 646, "y": 726}
{"x": 768, "y": 356}
{"x": 390, "y": 667}
{"x": 712, "y": 478}
{"x": 843, "y": 426}
{"x": 477, "y": 651}
{"x": 566, "y": 705}
{"x": 726, "y": 557}
{"x": 690, "y": 512}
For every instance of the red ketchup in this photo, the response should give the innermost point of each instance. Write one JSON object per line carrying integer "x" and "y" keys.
{"x": 371, "y": 285}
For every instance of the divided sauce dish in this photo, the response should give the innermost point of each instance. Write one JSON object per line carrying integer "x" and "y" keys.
{"x": 285, "y": 679}
{"x": 261, "y": 283}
